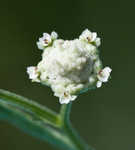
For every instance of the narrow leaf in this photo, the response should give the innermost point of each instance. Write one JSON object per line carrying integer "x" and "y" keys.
{"x": 34, "y": 119}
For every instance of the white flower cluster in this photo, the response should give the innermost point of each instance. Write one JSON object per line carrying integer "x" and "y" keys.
{"x": 69, "y": 67}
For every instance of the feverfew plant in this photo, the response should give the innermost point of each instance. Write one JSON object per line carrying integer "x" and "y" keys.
{"x": 68, "y": 67}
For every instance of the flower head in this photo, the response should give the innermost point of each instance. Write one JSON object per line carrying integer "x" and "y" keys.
{"x": 70, "y": 67}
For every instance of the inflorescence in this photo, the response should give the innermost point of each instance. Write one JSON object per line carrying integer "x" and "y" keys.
{"x": 69, "y": 66}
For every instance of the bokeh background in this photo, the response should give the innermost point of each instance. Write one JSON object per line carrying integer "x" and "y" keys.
{"x": 104, "y": 117}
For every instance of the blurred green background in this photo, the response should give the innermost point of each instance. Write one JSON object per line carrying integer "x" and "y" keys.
{"x": 104, "y": 117}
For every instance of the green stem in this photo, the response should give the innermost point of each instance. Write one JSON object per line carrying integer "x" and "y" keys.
{"x": 65, "y": 113}
{"x": 76, "y": 140}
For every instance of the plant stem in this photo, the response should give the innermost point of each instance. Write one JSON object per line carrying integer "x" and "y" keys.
{"x": 76, "y": 140}
{"x": 65, "y": 113}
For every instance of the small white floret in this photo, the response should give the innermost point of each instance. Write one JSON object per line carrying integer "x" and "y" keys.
{"x": 66, "y": 98}
{"x": 33, "y": 73}
{"x": 99, "y": 84}
{"x": 90, "y": 37}
{"x": 46, "y": 40}
{"x": 98, "y": 42}
{"x": 104, "y": 74}
{"x": 54, "y": 35}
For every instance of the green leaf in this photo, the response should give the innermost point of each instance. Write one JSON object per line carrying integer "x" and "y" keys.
{"x": 33, "y": 118}
{"x": 31, "y": 108}
{"x": 40, "y": 121}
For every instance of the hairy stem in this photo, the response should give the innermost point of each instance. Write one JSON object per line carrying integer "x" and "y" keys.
{"x": 78, "y": 143}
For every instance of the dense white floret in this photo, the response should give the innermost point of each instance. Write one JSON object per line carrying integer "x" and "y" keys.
{"x": 69, "y": 67}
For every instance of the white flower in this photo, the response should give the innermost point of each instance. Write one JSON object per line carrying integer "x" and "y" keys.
{"x": 32, "y": 71}
{"x": 103, "y": 76}
{"x": 90, "y": 37}
{"x": 70, "y": 67}
{"x": 46, "y": 40}
{"x": 66, "y": 68}
{"x": 66, "y": 98}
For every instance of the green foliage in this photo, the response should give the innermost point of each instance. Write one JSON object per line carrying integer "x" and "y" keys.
{"x": 39, "y": 121}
